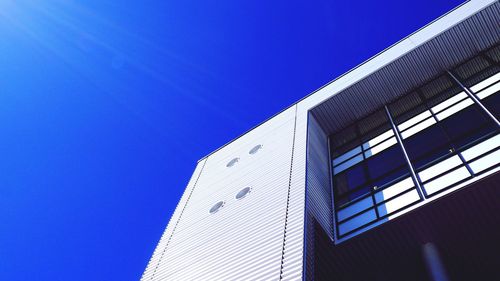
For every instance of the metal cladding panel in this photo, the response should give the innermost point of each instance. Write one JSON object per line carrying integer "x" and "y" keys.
{"x": 243, "y": 240}
{"x": 293, "y": 245}
{"x": 319, "y": 192}
{"x": 152, "y": 266}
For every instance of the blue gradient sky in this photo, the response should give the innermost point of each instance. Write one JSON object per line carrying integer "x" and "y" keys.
{"x": 105, "y": 107}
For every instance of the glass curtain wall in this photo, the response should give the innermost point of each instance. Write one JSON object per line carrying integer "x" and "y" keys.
{"x": 448, "y": 138}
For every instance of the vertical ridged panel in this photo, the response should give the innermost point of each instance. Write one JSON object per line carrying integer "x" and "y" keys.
{"x": 176, "y": 216}
{"x": 319, "y": 192}
{"x": 293, "y": 250}
{"x": 244, "y": 239}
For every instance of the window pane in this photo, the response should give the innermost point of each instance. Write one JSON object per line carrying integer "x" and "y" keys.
{"x": 358, "y": 193}
{"x": 414, "y": 120}
{"x": 467, "y": 125}
{"x": 446, "y": 180}
{"x": 344, "y": 141}
{"x": 489, "y": 91}
{"x": 439, "y": 90}
{"x": 350, "y": 179}
{"x": 391, "y": 177}
{"x": 394, "y": 190}
{"x": 348, "y": 197}
{"x": 492, "y": 102}
{"x": 485, "y": 162}
{"x": 419, "y": 127}
{"x": 440, "y": 168}
{"x": 449, "y": 102}
{"x": 427, "y": 145}
{"x": 385, "y": 162}
{"x": 357, "y": 221}
{"x": 346, "y": 155}
{"x": 486, "y": 83}
{"x": 376, "y": 140}
{"x": 347, "y": 164}
{"x": 454, "y": 109}
{"x": 355, "y": 208}
{"x": 398, "y": 203}
{"x": 481, "y": 148}
{"x": 380, "y": 147}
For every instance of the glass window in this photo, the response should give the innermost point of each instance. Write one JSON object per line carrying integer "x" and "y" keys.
{"x": 491, "y": 99}
{"x": 375, "y": 163}
{"x": 486, "y": 83}
{"x": 427, "y": 146}
{"x": 255, "y": 149}
{"x": 350, "y": 180}
{"x": 347, "y": 164}
{"x": 344, "y": 141}
{"x": 385, "y": 163}
{"x": 242, "y": 193}
{"x": 232, "y": 162}
{"x": 468, "y": 125}
{"x": 216, "y": 207}
{"x": 485, "y": 162}
{"x": 447, "y": 136}
{"x": 347, "y": 155}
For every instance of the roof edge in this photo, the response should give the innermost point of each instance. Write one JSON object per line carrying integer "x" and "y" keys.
{"x": 480, "y": 4}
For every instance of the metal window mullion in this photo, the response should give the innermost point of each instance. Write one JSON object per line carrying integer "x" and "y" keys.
{"x": 334, "y": 217}
{"x": 365, "y": 169}
{"x": 466, "y": 164}
{"x": 414, "y": 176}
{"x": 454, "y": 147}
{"x": 473, "y": 97}
{"x": 476, "y": 100}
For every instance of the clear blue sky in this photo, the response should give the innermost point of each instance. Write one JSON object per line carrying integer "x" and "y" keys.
{"x": 105, "y": 107}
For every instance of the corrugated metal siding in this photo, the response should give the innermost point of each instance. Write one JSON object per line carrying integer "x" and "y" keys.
{"x": 293, "y": 250}
{"x": 244, "y": 239}
{"x": 443, "y": 52}
{"x": 319, "y": 192}
{"x": 159, "y": 252}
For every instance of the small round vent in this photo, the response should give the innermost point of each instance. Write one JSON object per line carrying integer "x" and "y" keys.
{"x": 216, "y": 207}
{"x": 232, "y": 162}
{"x": 255, "y": 149}
{"x": 244, "y": 192}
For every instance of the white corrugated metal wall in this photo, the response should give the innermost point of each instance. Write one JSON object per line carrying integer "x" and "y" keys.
{"x": 165, "y": 239}
{"x": 293, "y": 251}
{"x": 249, "y": 238}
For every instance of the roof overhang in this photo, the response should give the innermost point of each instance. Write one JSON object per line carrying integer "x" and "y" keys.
{"x": 448, "y": 41}
{"x": 441, "y": 44}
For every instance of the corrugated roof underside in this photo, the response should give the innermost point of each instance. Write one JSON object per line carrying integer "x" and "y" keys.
{"x": 457, "y": 44}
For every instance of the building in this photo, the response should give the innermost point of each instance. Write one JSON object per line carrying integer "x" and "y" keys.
{"x": 389, "y": 172}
